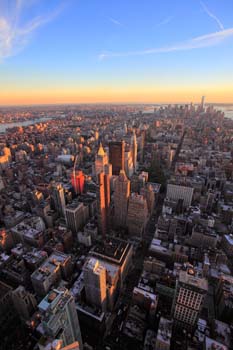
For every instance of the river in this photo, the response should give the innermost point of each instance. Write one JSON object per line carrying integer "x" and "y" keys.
{"x": 3, "y": 127}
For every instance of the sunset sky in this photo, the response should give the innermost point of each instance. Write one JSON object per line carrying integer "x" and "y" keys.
{"x": 152, "y": 51}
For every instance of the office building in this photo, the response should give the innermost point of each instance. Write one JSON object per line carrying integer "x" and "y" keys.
{"x": 189, "y": 297}
{"x": 78, "y": 180}
{"x": 58, "y": 198}
{"x": 59, "y": 317}
{"x": 121, "y": 198}
{"x": 116, "y": 156}
{"x": 179, "y": 192}
{"x": 24, "y": 302}
{"x": 137, "y": 215}
{"x": 134, "y": 150}
{"x": 95, "y": 283}
{"x": 103, "y": 200}
{"x": 56, "y": 267}
{"x": 76, "y": 215}
{"x": 101, "y": 160}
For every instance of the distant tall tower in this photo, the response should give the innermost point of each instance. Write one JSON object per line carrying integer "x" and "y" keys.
{"x": 116, "y": 156}
{"x": 134, "y": 146}
{"x": 60, "y": 319}
{"x": 121, "y": 198}
{"x": 101, "y": 160}
{"x": 58, "y": 197}
{"x": 103, "y": 203}
{"x": 203, "y": 102}
{"x": 95, "y": 283}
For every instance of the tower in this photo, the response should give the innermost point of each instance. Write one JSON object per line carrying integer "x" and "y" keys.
{"x": 95, "y": 283}
{"x": 58, "y": 197}
{"x": 101, "y": 160}
{"x": 77, "y": 180}
{"x": 203, "y": 102}
{"x": 116, "y": 156}
{"x": 60, "y": 319}
{"x": 134, "y": 150}
{"x": 103, "y": 203}
{"x": 121, "y": 198}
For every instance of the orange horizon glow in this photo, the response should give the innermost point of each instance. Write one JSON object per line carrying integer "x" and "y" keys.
{"x": 118, "y": 95}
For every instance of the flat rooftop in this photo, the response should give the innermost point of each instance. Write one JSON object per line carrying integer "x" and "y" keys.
{"x": 112, "y": 249}
{"x": 193, "y": 280}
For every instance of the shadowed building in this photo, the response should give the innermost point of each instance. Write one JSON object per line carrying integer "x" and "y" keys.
{"x": 116, "y": 156}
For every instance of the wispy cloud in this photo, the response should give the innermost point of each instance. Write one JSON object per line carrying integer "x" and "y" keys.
{"x": 165, "y": 21}
{"x": 211, "y": 15}
{"x": 199, "y": 42}
{"x": 115, "y": 21}
{"x": 16, "y": 34}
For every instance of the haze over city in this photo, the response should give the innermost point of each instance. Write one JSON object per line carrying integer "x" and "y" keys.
{"x": 115, "y": 51}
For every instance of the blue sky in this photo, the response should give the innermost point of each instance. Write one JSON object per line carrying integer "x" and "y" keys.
{"x": 105, "y": 50}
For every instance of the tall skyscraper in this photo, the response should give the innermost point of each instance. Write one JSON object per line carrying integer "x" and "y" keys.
{"x": 101, "y": 160}
{"x": 134, "y": 147}
{"x": 95, "y": 283}
{"x": 103, "y": 197}
{"x": 77, "y": 180}
{"x": 60, "y": 319}
{"x": 137, "y": 215}
{"x": 116, "y": 156}
{"x": 58, "y": 197}
{"x": 121, "y": 198}
{"x": 188, "y": 300}
{"x": 203, "y": 102}
{"x": 76, "y": 216}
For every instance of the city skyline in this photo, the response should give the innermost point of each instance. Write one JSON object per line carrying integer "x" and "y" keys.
{"x": 101, "y": 52}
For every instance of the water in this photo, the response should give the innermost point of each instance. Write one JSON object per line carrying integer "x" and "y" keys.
{"x": 228, "y": 111}
{"x": 3, "y": 127}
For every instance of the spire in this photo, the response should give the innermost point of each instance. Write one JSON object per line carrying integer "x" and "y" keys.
{"x": 101, "y": 151}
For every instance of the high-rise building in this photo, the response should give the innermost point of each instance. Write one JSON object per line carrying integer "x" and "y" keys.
{"x": 149, "y": 195}
{"x": 101, "y": 160}
{"x": 60, "y": 319}
{"x": 189, "y": 296}
{"x": 58, "y": 197}
{"x": 24, "y": 302}
{"x": 137, "y": 215}
{"x": 116, "y": 156}
{"x": 184, "y": 193}
{"x": 103, "y": 197}
{"x": 95, "y": 283}
{"x": 77, "y": 180}
{"x": 121, "y": 198}
{"x": 134, "y": 147}
{"x": 76, "y": 215}
{"x": 203, "y": 102}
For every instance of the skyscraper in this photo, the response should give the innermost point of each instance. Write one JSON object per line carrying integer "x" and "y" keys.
{"x": 134, "y": 147}
{"x": 60, "y": 319}
{"x": 188, "y": 300}
{"x": 95, "y": 283}
{"x": 76, "y": 216}
{"x": 103, "y": 196}
{"x": 121, "y": 198}
{"x": 77, "y": 180}
{"x": 116, "y": 156}
{"x": 137, "y": 215}
{"x": 58, "y": 197}
{"x": 203, "y": 102}
{"x": 101, "y": 160}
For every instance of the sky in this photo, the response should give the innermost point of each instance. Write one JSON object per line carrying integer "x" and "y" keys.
{"x": 108, "y": 51}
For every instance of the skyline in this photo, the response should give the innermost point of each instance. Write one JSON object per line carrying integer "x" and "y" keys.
{"x": 76, "y": 52}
